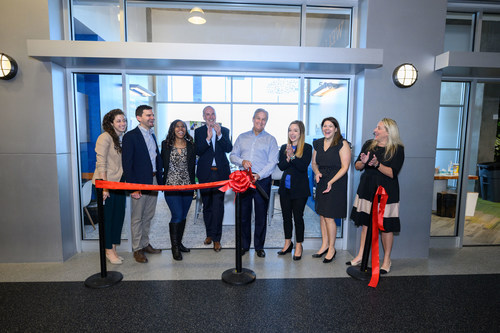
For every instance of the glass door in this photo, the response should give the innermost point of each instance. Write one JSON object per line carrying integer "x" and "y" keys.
{"x": 482, "y": 211}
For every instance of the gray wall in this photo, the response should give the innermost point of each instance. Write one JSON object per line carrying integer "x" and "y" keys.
{"x": 35, "y": 170}
{"x": 408, "y": 31}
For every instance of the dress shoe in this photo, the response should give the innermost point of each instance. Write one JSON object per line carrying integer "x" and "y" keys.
{"x": 295, "y": 257}
{"x": 326, "y": 261}
{"x": 182, "y": 248}
{"x": 208, "y": 241}
{"x": 385, "y": 271}
{"x": 150, "y": 249}
{"x": 353, "y": 263}
{"x": 114, "y": 261}
{"x": 140, "y": 257}
{"x": 288, "y": 250}
{"x": 261, "y": 253}
{"x": 243, "y": 251}
{"x": 319, "y": 255}
{"x": 217, "y": 247}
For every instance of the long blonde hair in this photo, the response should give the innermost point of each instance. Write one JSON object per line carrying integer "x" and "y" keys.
{"x": 300, "y": 144}
{"x": 393, "y": 139}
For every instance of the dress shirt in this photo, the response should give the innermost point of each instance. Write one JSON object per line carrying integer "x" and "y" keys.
{"x": 214, "y": 140}
{"x": 262, "y": 150}
{"x": 151, "y": 144}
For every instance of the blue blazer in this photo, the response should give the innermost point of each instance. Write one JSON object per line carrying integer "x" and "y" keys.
{"x": 206, "y": 154}
{"x": 137, "y": 167}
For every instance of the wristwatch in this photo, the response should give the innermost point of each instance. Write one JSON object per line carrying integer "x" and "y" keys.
{"x": 377, "y": 166}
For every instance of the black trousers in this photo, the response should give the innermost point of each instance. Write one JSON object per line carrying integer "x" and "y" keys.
{"x": 295, "y": 207}
{"x": 213, "y": 209}
{"x": 260, "y": 207}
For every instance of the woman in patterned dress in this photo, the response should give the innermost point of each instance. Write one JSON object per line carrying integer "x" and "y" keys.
{"x": 381, "y": 159}
{"x": 179, "y": 157}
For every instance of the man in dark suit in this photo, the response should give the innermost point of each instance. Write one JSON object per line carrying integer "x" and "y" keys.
{"x": 212, "y": 143}
{"x": 142, "y": 164}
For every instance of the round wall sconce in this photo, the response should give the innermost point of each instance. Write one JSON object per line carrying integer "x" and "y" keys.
{"x": 197, "y": 16}
{"x": 8, "y": 67}
{"x": 405, "y": 75}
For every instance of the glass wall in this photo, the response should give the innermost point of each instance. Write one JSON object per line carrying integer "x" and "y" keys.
{"x": 95, "y": 95}
{"x": 449, "y": 147}
{"x": 220, "y": 23}
{"x": 482, "y": 211}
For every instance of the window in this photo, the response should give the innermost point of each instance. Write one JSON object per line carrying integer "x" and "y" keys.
{"x": 490, "y": 33}
{"x": 95, "y": 20}
{"x": 459, "y": 33}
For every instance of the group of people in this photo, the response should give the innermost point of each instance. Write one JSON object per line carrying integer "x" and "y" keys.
{"x": 134, "y": 157}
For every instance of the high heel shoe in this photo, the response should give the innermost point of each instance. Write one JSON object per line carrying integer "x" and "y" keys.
{"x": 326, "y": 261}
{"x": 319, "y": 255}
{"x": 114, "y": 261}
{"x": 353, "y": 263}
{"x": 288, "y": 250}
{"x": 298, "y": 257}
{"x": 385, "y": 271}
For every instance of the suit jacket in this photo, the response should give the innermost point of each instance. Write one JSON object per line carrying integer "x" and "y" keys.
{"x": 206, "y": 154}
{"x": 297, "y": 170}
{"x": 137, "y": 167}
{"x": 191, "y": 160}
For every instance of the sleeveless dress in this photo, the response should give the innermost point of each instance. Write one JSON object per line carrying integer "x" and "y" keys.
{"x": 334, "y": 203}
{"x": 370, "y": 179}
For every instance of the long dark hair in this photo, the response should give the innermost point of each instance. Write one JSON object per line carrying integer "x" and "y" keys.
{"x": 107, "y": 126}
{"x": 171, "y": 133}
{"x": 337, "y": 137}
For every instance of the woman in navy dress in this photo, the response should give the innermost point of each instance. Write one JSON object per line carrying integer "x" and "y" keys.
{"x": 330, "y": 162}
{"x": 381, "y": 159}
{"x": 294, "y": 159}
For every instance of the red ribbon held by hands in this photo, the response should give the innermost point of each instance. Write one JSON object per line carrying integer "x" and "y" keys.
{"x": 239, "y": 181}
{"x": 377, "y": 224}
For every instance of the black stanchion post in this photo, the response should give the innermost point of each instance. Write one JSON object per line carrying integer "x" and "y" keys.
{"x": 238, "y": 275}
{"x": 104, "y": 278}
{"x": 364, "y": 272}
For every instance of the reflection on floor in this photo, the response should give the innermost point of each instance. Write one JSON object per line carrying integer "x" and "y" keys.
{"x": 481, "y": 229}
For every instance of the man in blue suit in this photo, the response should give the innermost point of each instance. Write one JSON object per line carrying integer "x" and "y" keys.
{"x": 212, "y": 143}
{"x": 142, "y": 164}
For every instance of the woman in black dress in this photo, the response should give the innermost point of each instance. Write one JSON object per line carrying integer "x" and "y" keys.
{"x": 330, "y": 162}
{"x": 179, "y": 157}
{"x": 381, "y": 159}
{"x": 294, "y": 159}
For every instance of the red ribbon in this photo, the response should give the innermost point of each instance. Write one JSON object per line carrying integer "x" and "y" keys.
{"x": 377, "y": 225}
{"x": 239, "y": 181}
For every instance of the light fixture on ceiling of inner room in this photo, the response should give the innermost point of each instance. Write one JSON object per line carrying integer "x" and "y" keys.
{"x": 197, "y": 16}
{"x": 405, "y": 75}
{"x": 140, "y": 90}
{"x": 8, "y": 67}
{"x": 325, "y": 88}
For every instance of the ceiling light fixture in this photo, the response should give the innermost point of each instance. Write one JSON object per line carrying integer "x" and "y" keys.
{"x": 197, "y": 16}
{"x": 325, "y": 88}
{"x": 140, "y": 90}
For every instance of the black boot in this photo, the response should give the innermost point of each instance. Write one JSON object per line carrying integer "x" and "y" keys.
{"x": 174, "y": 231}
{"x": 180, "y": 234}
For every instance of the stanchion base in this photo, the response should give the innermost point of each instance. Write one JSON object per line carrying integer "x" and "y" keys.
{"x": 231, "y": 276}
{"x": 358, "y": 274}
{"x": 96, "y": 281}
